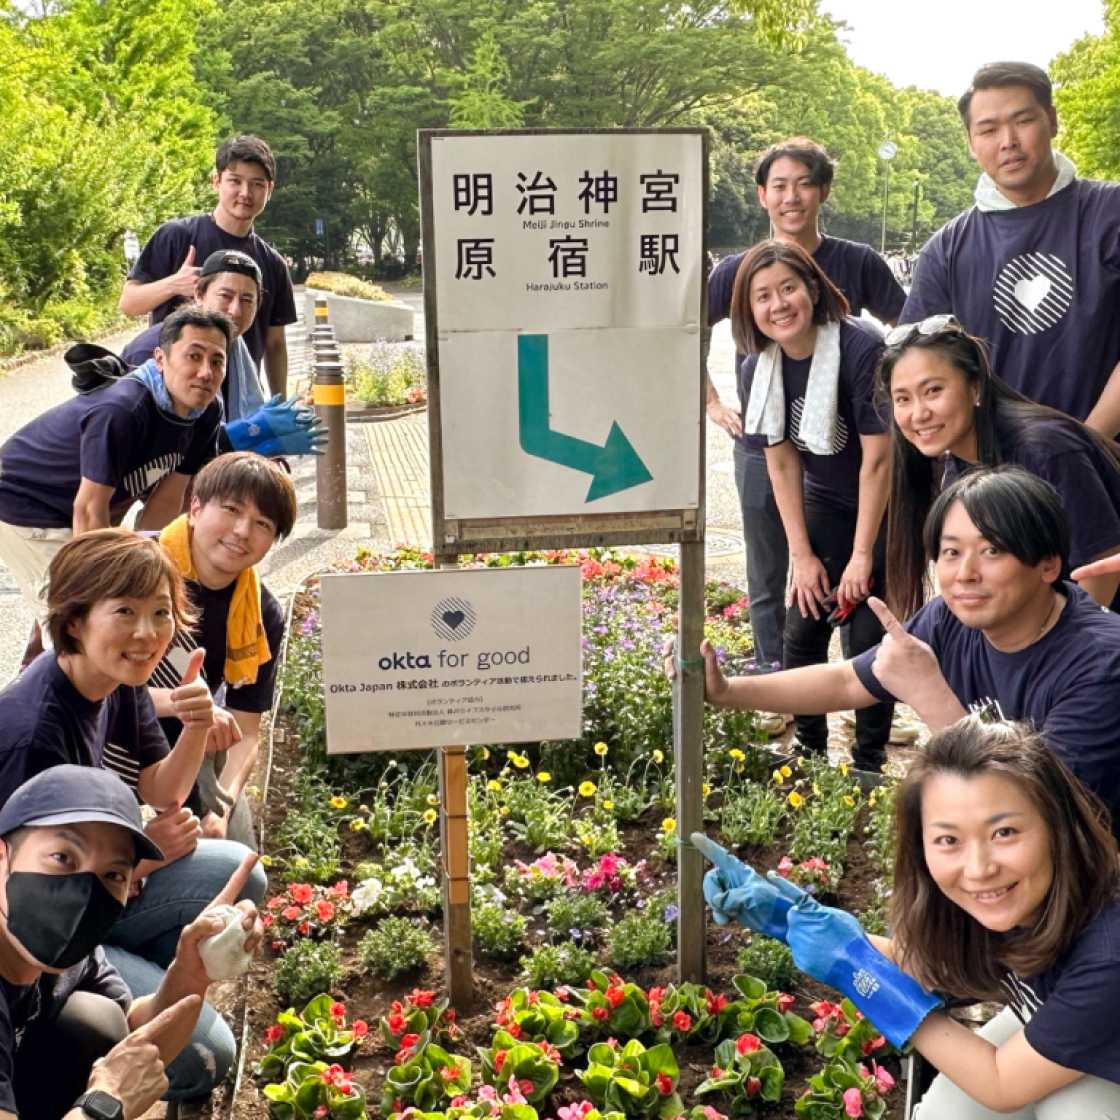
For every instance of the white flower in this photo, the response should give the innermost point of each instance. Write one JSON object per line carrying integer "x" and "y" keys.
{"x": 366, "y": 894}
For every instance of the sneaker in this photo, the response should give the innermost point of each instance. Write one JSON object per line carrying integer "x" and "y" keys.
{"x": 773, "y": 724}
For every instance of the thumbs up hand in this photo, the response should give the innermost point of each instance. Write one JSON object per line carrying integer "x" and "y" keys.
{"x": 183, "y": 282}
{"x": 191, "y": 703}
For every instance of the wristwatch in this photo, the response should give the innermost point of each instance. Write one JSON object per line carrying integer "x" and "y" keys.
{"x": 100, "y": 1106}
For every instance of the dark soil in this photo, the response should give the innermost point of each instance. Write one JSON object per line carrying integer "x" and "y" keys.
{"x": 369, "y": 997}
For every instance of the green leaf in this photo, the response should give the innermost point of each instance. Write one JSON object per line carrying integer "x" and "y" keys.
{"x": 749, "y": 986}
{"x": 770, "y": 1025}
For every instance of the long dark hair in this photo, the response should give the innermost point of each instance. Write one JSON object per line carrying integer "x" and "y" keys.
{"x": 1003, "y": 419}
{"x": 829, "y": 304}
{"x": 940, "y": 944}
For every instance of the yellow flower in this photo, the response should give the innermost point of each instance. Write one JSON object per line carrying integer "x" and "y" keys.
{"x": 777, "y": 776}
{"x": 543, "y": 776}
{"x": 668, "y": 825}
{"x": 608, "y": 804}
{"x": 432, "y": 799}
{"x": 705, "y": 789}
{"x": 503, "y": 811}
{"x": 430, "y": 816}
{"x": 849, "y": 801}
{"x": 494, "y": 786}
{"x": 266, "y": 861}
{"x": 587, "y": 789}
{"x": 300, "y": 862}
{"x": 796, "y": 800}
{"x": 844, "y": 769}
{"x": 601, "y": 749}
{"x": 519, "y": 760}
{"x": 338, "y": 802}
{"x": 485, "y": 754}
{"x": 736, "y": 754}
{"x": 786, "y": 772}
{"x": 659, "y": 756}
{"x": 358, "y": 825}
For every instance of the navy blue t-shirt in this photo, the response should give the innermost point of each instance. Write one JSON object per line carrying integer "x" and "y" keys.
{"x": 1071, "y": 1007}
{"x": 45, "y": 721}
{"x": 1087, "y": 480}
{"x": 856, "y": 269}
{"x": 167, "y": 248}
{"x": 1041, "y": 283}
{"x": 22, "y": 1005}
{"x": 833, "y": 479}
{"x": 1067, "y": 683}
{"x": 115, "y": 436}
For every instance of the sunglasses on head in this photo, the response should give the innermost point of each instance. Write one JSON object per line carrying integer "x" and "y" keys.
{"x": 935, "y": 324}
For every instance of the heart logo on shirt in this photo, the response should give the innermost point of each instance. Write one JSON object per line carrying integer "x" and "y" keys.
{"x": 1030, "y": 292}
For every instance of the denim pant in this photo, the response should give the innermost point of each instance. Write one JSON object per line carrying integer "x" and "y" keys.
{"x": 831, "y": 533}
{"x": 767, "y": 553}
{"x": 1088, "y": 1098}
{"x": 142, "y": 944}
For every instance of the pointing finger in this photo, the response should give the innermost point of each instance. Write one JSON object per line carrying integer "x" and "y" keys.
{"x": 886, "y": 618}
{"x": 229, "y": 894}
{"x": 167, "y": 1029}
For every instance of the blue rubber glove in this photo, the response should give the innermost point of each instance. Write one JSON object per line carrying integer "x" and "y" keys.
{"x": 280, "y": 427}
{"x": 734, "y": 890}
{"x": 830, "y": 946}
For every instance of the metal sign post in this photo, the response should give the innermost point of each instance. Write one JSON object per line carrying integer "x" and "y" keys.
{"x": 564, "y": 284}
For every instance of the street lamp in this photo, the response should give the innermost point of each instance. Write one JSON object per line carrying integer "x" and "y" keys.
{"x": 888, "y": 149}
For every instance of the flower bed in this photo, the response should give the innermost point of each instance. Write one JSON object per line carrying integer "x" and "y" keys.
{"x": 573, "y": 850}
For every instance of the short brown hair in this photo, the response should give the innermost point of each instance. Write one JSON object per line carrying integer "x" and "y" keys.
{"x": 997, "y": 75}
{"x": 108, "y": 564}
{"x": 945, "y": 948}
{"x": 829, "y": 304}
{"x": 247, "y": 476}
{"x": 246, "y": 149}
{"x": 801, "y": 149}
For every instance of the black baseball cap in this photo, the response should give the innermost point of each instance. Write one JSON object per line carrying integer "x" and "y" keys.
{"x": 232, "y": 260}
{"x": 75, "y": 794}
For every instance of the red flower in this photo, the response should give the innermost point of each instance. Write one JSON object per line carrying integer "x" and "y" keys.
{"x": 785, "y": 1002}
{"x": 682, "y": 1021}
{"x": 409, "y": 1040}
{"x": 448, "y": 1073}
{"x": 754, "y": 1086}
{"x": 715, "y": 1071}
{"x": 421, "y": 998}
{"x": 450, "y": 1014}
{"x": 655, "y": 1016}
{"x": 873, "y": 1044}
{"x": 360, "y": 1028}
{"x": 278, "y": 946}
{"x": 563, "y": 993}
{"x": 338, "y": 1010}
{"x": 747, "y": 1043}
{"x": 266, "y": 920}
{"x": 600, "y": 1013}
{"x": 324, "y": 909}
{"x": 499, "y": 1060}
{"x": 515, "y": 1030}
{"x": 333, "y": 1074}
{"x": 615, "y": 996}
{"x": 526, "y": 1086}
{"x": 291, "y": 913}
{"x": 300, "y": 892}
{"x": 664, "y": 1084}
{"x": 656, "y": 995}
{"x": 275, "y": 902}
{"x": 274, "y": 1034}
{"x": 716, "y": 1003}
{"x": 397, "y": 1024}
{"x": 303, "y": 929}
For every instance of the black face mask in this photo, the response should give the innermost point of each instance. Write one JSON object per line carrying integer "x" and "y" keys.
{"x": 60, "y": 919}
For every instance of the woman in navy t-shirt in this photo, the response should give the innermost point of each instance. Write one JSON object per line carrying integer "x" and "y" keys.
{"x": 1006, "y": 887}
{"x": 808, "y": 382}
{"x": 950, "y": 412}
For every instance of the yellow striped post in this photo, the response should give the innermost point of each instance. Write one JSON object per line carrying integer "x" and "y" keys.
{"x": 328, "y": 394}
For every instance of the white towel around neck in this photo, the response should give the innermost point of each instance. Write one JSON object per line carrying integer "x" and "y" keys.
{"x": 766, "y": 409}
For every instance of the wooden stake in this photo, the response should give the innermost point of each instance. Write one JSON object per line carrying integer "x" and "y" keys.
{"x": 688, "y": 747}
{"x": 459, "y": 960}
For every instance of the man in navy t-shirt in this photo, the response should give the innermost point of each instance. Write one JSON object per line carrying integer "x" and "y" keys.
{"x": 1034, "y": 266}
{"x": 793, "y": 180}
{"x": 1007, "y": 628}
{"x": 83, "y": 463}
{"x": 165, "y": 274}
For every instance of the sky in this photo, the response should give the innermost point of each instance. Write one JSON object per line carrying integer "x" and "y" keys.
{"x": 939, "y": 44}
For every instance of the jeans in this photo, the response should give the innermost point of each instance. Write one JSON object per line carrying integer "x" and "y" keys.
{"x": 1087, "y": 1098}
{"x": 767, "y": 553}
{"x": 143, "y": 943}
{"x": 831, "y": 533}
{"x": 54, "y": 1059}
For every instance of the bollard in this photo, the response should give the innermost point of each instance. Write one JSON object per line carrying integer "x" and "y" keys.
{"x": 329, "y": 396}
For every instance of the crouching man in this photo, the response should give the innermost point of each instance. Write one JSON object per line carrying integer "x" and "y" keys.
{"x": 73, "y": 1043}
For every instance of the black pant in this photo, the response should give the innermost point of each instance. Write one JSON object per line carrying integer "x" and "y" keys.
{"x": 805, "y": 641}
{"x": 54, "y": 1059}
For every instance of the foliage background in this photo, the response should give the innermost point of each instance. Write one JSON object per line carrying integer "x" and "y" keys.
{"x": 110, "y": 111}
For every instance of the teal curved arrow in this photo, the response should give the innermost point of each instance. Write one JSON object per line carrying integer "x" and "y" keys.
{"x": 615, "y": 466}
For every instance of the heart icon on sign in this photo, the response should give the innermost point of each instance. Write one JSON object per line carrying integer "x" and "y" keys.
{"x": 454, "y": 619}
{"x": 1031, "y": 292}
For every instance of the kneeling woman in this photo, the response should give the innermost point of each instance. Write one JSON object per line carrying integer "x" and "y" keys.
{"x": 809, "y": 384}
{"x": 950, "y": 412}
{"x": 114, "y": 600}
{"x": 1006, "y": 887}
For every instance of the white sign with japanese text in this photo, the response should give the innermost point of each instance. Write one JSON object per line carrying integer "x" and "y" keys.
{"x": 567, "y": 275}
{"x": 440, "y": 658}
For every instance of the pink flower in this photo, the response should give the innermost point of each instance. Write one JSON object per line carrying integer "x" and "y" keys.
{"x": 682, "y": 1021}
{"x": 458, "y": 1102}
{"x": 300, "y": 892}
{"x": 853, "y": 1102}
{"x": 599, "y": 1013}
{"x": 873, "y": 1044}
{"x": 360, "y": 1028}
{"x": 747, "y": 1043}
{"x": 303, "y": 929}
{"x": 525, "y": 1085}
{"x": 324, "y": 909}
{"x": 884, "y": 1082}
{"x": 290, "y": 913}
{"x": 785, "y": 1002}
{"x": 711, "y": 1114}
{"x": 785, "y": 866}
